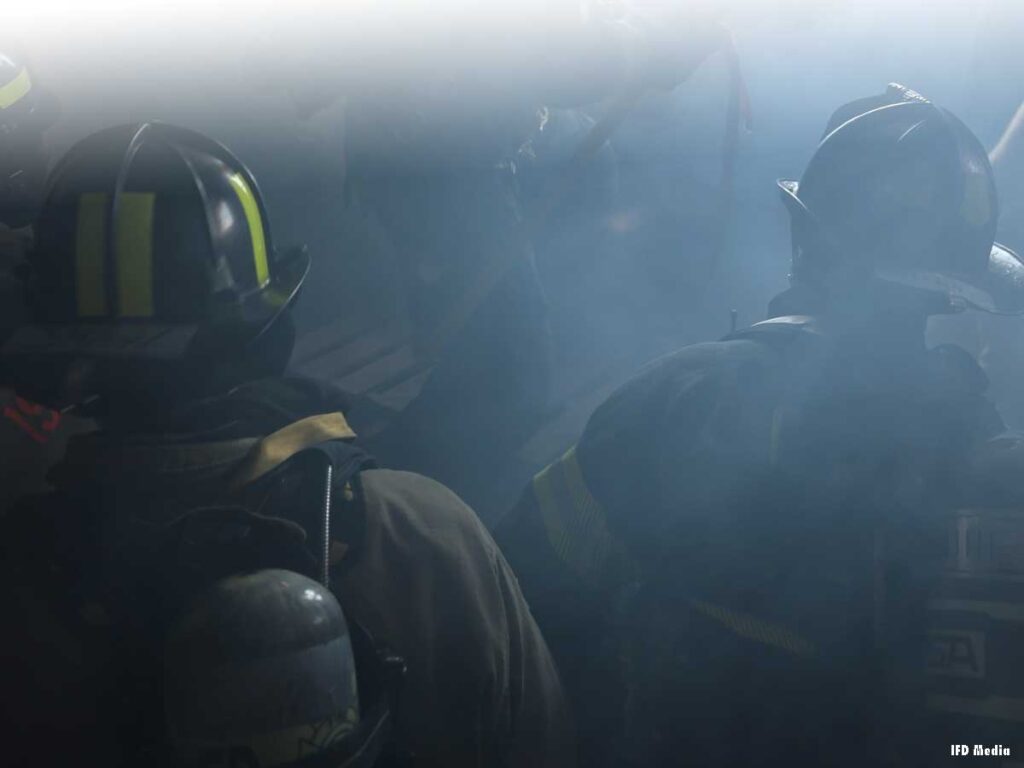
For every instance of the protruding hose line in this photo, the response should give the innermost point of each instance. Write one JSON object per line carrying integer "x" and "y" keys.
{"x": 325, "y": 553}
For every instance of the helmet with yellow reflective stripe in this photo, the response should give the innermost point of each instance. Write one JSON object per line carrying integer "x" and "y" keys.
{"x": 26, "y": 112}
{"x": 900, "y": 191}
{"x": 153, "y": 247}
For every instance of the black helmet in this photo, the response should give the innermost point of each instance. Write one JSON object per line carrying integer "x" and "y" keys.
{"x": 25, "y": 113}
{"x": 190, "y": 273}
{"x": 261, "y": 670}
{"x": 901, "y": 190}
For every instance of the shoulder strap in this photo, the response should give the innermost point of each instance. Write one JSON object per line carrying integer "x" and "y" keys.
{"x": 273, "y": 450}
{"x": 320, "y": 452}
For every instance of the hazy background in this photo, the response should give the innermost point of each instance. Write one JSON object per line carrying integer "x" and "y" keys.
{"x": 243, "y": 71}
{"x": 232, "y": 69}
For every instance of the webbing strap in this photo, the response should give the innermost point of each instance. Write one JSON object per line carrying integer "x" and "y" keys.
{"x": 275, "y": 449}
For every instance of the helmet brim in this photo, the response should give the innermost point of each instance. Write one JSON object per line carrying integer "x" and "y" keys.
{"x": 257, "y": 311}
{"x": 160, "y": 342}
{"x": 790, "y": 191}
{"x": 998, "y": 290}
{"x": 261, "y": 308}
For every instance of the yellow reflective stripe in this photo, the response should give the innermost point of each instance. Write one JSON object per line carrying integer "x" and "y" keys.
{"x": 994, "y": 610}
{"x": 90, "y": 237}
{"x": 255, "y": 221}
{"x": 544, "y": 492}
{"x": 135, "y": 254}
{"x": 15, "y": 90}
{"x": 747, "y": 626}
{"x": 990, "y": 707}
{"x": 576, "y": 522}
{"x": 133, "y": 249}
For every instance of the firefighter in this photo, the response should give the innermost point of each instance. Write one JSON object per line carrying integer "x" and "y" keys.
{"x": 26, "y": 112}
{"x": 161, "y": 307}
{"x": 731, "y": 565}
{"x": 31, "y": 437}
{"x": 999, "y": 339}
{"x": 436, "y": 162}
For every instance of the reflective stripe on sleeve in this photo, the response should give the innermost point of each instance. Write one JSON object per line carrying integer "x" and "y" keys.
{"x": 755, "y": 629}
{"x": 990, "y": 707}
{"x": 575, "y": 522}
{"x": 16, "y": 90}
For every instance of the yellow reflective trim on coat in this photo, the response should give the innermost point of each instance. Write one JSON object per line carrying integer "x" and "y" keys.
{"x": 755, "y": 629}
{"x": 15, "y": 90}
{"x": 134, "y": 250}
{"x": 989, "y": 707}
{"x": 255, "y": 221}
{"x": 1012, "y": 612}
{"x": 575, "y": 522}
{"x": 90, "y": 245}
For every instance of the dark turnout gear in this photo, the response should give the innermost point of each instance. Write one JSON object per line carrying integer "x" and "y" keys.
{"x": 154, "y": 258}
{"x": 900, "y": 190}
{"x": 734, "y": 562}
{"x": 192, "y": 505}
{"x": 679, "y": 558}
{"x": 687, "y": 558}
{"x": 412, "y": 565}
{"x": 976, "y": 682}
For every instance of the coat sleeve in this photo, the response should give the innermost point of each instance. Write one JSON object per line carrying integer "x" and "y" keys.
{"x": 427, "y": 579}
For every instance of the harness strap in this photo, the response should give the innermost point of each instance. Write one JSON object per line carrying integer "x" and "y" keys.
{"x": 278, "y": 447}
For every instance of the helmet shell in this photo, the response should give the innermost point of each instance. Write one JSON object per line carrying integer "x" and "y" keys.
{"x": 900, "y": 189}
{"x": 153, "y": 247}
